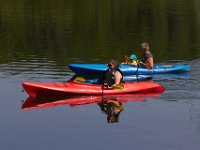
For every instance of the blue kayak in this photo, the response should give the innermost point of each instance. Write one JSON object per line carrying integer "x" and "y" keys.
{"x": 128, "y": 70}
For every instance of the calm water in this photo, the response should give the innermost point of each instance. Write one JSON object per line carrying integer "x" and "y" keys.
{"x": 38, "y": 40}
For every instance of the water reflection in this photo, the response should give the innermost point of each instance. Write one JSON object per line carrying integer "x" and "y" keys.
{"x": 112, "y": 108}
{"x": 168, "y": 76}
{"x": 111, "y": 105}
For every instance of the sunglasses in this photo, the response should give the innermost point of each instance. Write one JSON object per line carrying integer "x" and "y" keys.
{"x": 109, "y": 65}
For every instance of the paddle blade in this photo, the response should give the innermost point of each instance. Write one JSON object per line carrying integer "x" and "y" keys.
{"x": 119, "y": 86}
{"x": 79, "y": 79}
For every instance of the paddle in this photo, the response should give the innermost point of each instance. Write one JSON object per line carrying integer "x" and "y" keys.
{"x": 82, "y": 79}
{"x": 102, "y": 84}
{"x": 119, "y": 86}
{"x": 136, "y": 72}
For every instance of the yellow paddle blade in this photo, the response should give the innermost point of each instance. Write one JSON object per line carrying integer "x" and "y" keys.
{"x": 120, "y": 107}
{"x": 79, "y": 79}
{"x": 119, "y": 86}
{"x": 116, "y": 105}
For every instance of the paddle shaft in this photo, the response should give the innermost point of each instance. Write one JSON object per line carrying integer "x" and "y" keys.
{"x": 136, "y": 72}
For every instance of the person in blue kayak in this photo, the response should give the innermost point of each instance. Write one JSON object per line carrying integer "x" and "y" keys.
{"x": 132, "y": 60}
{"x": 113, "y": 75}
{"x": 146, "y": 60}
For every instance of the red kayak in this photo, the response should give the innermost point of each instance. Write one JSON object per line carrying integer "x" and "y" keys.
{"x": 76, "y": 88}
{"x": 53, "y": 101}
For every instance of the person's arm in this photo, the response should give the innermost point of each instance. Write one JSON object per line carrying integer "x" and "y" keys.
{"x": 126, "y": 59}
{"x": 118, "y": 77}
{"x": 149, "y": 63}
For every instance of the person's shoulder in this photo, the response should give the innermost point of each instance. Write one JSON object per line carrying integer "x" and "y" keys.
{"x": 119, "y": 72}
{"x": 149, "y": 55}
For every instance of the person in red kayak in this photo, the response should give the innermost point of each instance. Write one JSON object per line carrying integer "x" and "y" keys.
{"x": 146, "y": 60}
{"x": 113, "y": 76}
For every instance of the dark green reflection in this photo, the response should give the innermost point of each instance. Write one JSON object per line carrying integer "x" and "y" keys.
{"x": 93, "y": 29}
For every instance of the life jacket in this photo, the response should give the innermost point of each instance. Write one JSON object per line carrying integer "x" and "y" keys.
{"x": 134, "y": 62}
{"x": 109, "y": 78}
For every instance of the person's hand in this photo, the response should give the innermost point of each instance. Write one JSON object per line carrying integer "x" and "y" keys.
{"x": 109, "y": 87}
{"x": 141, "y": 63}
{"x": 126, "y": 59}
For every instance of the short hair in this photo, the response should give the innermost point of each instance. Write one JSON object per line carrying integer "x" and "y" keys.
{"x": 114, "y": 62}
{"x": 145, "y": 46}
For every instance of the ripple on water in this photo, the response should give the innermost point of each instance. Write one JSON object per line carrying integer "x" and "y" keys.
{"x": 35, "y": 69}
